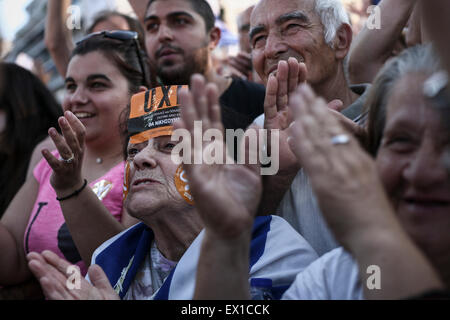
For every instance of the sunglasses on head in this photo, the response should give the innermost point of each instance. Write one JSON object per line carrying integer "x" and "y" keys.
{"x": 122, "y": 35}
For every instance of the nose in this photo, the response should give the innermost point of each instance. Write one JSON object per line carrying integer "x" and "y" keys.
{"x": 275, "y": 46}
{"x": 426, "y": 168}
{"x": 164, "y": 33}
{"x": 78, "y": 98}
{"x": 145, "y": 159}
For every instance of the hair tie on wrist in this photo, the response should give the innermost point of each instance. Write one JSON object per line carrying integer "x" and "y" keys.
{"x": 77, "y": 192}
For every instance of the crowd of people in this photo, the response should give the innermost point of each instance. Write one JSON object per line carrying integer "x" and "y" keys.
{"x": 359, "y": 124}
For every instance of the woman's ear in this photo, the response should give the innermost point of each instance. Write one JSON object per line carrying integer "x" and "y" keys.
{"x": 343, "y": 41}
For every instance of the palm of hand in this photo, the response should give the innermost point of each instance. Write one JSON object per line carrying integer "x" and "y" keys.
{"x": 226, "y": 195}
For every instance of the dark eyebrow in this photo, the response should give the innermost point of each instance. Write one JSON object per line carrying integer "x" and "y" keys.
{"x": 98, "y": 76}
{"x": 170, "y": 15}
{"x": 256, "y": 30}
{"x": 294, "y": 15}
{"x": 244, "y": 27}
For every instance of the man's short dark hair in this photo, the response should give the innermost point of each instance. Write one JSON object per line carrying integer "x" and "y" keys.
{"x": 202, "y": 8}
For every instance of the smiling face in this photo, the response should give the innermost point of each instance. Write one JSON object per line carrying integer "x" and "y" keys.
{"x": 281, "y": 29}
{"x": 410, "y": 165}
{"x": 151, "y": 179}
{"x": 97, "y": 93}
{"x": 176, "y": 40}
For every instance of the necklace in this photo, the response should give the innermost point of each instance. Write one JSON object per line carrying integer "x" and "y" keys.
{"x": 99, "y": 160}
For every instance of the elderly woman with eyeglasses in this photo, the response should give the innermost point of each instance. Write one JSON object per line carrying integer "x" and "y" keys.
{"x": 87, "y": 169}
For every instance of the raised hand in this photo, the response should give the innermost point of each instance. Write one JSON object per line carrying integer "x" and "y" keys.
{"x": 226, "y": 195}
{"x": 70, "y": 145}
{"x": 342, "y": 174}
{"x": 51, "y": 271}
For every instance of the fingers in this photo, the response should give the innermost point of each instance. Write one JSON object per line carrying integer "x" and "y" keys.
{"x": 59, "y": 264}
{"x": 70, "y": 138}
{"x": 52, "y": 280}
{"x": 302, "y": 73}
{"x": 294, "y": 70}
{"x": 63, "y": 148}
{"x": 101, "y": 282}
{"x": 283, "y": 85}
{"x": 53, "y": 162}
{"x": 214, "y": 111}
{"x": 203, "y": 102}
{"x": 188, "y": 111}
{"x": 251, "y": 155}
{"x": 78, "y": 128}
{"x": 51, "y": 291}
{"x": 351, "y": 126}
{"x": 270, "y": 102}
{"x": 198, "y": 91}
{"x": 70, "y": 144}
{"x": 336, "y": 105}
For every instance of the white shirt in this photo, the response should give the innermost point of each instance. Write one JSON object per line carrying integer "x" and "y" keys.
{"x": 334, "y": 276}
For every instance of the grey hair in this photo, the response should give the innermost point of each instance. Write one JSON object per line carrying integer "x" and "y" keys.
{"x": 418, "y": 59}
{"x": 332, "y": 15}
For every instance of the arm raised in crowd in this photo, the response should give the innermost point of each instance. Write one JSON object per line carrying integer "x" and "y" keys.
{"x": 435, "y": 18}
{"x": 226, "y": 197}
{"x": 277, "y": 117}
{"x": 85, "y": 211}
{"x": 58, "y": 38}
{"x": 353, "y": 201}
{"x": 373, "y": 47}
{"x": 139, "y": 7}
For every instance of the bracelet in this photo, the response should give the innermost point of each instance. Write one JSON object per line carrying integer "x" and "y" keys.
{"x": 77, "y": 192}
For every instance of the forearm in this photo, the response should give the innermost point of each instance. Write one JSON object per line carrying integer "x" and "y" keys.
{"x": 139, "y": 8}
{"x": 404, "y": 271}
{"x": 13, "y": 266}
{"x": 89, "y": 221}
{"x": 274, "y": 189}
{"x": 58, "y": 38}
{"x": 223, "y": 268}
{"x": 372, "y": 47}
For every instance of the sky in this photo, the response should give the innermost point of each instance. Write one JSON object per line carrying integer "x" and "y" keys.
{"x": 12, "y": 16}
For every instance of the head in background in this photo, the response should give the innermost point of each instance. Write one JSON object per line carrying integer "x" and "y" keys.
{"x": 113, "y": 20}
{"x": 103, "y": 73}
{"x": 27, "y": 110}
{"x": 410, "y": 142}
{"x": 180, "y": 38}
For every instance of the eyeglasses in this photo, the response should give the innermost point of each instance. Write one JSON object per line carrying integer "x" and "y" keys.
{"x": 123, "y": 36}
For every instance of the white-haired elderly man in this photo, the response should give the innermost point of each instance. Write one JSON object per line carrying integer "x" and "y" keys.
{"x": 295, "y": 41}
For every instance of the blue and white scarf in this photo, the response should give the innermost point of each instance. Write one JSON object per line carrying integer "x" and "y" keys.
{"x": 277, "y": 252}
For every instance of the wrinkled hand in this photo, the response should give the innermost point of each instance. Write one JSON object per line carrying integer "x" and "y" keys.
{"x": 51, "y": 271}
{"x": 277, "y": 115}
{"x": 226, "y": 195}
{"x": 67, "y": 176}
{"x": 343, "y": 176}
